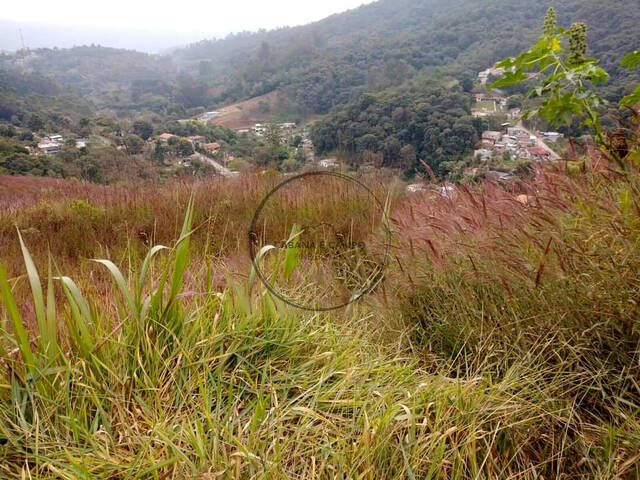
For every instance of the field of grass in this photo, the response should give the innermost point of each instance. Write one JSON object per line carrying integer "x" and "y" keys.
{"x": 504, "y": 341}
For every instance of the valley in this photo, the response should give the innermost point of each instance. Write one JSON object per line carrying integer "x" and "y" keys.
{"x": 401, "y": 242}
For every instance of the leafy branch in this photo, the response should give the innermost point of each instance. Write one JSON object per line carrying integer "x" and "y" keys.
{"x": 566, "y": 77}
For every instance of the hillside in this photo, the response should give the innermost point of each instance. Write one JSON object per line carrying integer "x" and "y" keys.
{"x": 112, "y": 78}
{"x": 376, "y": 46}
{"x": 331, "y": 62}
{"x": 24, "y": 95}
{"x": 398, "y": 276}
{"x": 390, "y": 83}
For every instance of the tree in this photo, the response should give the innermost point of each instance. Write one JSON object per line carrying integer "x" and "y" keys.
{"x": 467, "y": 83}
{"x": 273, "y": 135}
{"x": 184, "y": 148}
{"x": 158, "y": 153}
{"x": 35, "y": 123}
{"x": 134, "y": 144}
{"x": 407, "y": 157}
{"x": 143, "y": 129}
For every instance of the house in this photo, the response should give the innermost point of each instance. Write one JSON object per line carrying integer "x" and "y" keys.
{"x": 211, "y": 147}
{"x": 538, "y": 153}
{"x": 485, "y": 74}
{"x": 56, "y": 138}
{"x": 49, "y": 148}
{"x": 517, "y": 132}
{"x": 478, "y": 112}
{"x": 489, "y": 138}
{"x": 498, "y": 176}
{"x": 308, "y": 150}
{"x": 259, "y": 129}
{"x": 447, "y": 191}
{"x": 164, "y": 138}
{"x": 288, "y": 127}
{"x": 196, "y": 140}
{"x": 499, "y": 147}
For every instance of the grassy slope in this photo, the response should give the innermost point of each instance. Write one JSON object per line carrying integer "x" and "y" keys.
{"x": 503, "y": 344}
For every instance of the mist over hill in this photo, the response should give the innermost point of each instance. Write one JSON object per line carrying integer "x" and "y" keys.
{"x": 38, "y": 35}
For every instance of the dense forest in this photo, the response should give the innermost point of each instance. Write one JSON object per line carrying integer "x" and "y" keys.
{"x": 380, "y": 45}
{"x": 427, "y": 118}
{"x": 27, "y": 97}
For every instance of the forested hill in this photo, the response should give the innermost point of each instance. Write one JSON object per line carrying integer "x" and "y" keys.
{"x": 30, "y": 95}
{"x": 380, "y": 45}
{"x": 112, "y": 78}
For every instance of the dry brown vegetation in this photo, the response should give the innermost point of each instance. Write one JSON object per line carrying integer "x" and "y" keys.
{"x": 504, "y": 342}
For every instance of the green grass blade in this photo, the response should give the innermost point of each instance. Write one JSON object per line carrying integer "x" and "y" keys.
{"x": 16, "y": 321}
{"x": 182, "y": 253}
{"x": 263, "y": 251}
{"x": 51, "y": 314}
{"x": 36, "y": 292}
{"x": 81, "y": 314}
{"x": 292, "y": 253}
{"x": 122, "y": 285}
{"x": 145, "y": 268}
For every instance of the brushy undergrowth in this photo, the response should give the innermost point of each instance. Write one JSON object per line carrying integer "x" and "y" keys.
{"x": 503, "y": 344}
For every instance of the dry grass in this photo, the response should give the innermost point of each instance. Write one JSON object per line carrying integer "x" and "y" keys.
{"x": 503, "y": 344}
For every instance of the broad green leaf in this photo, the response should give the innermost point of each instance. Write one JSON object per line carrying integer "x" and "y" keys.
{"x": 508, "y": 79}
{"x": 560, "y": 109}
{"x": 631, "y": 60}
{"x": 263, "y": 251}
{"x": 80, "y": 313}
{"x": 632, "y": 99}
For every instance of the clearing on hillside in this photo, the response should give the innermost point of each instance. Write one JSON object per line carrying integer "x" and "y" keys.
{"x": 246, "y": 114}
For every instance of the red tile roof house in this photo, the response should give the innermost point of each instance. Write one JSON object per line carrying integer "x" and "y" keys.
{"x": 211, "y": 147}
{"x": 196, "y": 140}
{"x": 164, "y": 138}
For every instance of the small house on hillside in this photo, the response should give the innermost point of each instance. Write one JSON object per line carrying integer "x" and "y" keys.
{"x": 196, "y": 140}
{"x": 49, "y": 148}
{"x": 211, "y": 148}
{"x": 490, "y": 138}
{"x": 164, "y": 138}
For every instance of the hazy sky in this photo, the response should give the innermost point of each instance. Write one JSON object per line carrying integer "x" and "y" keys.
{"x": 187, "y": 20}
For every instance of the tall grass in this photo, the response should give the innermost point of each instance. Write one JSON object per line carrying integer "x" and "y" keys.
{"x": 490, "y": 352}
